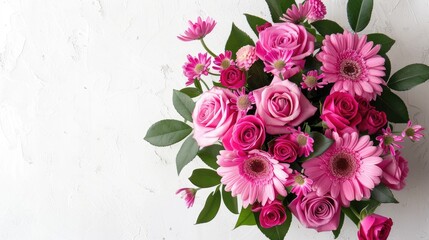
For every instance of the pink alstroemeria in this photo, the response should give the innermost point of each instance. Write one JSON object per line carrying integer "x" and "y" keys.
{"x": 297, "y": 13}
{"x": 413, "y": 132}
{"x": 196, "y": 66}
{"x": 278, "y": 62}
{"x": 223, "y": 61}
{"x": 188, "y": 194}
{"x": 389, "y": 141}
{"x": 311, "y": 80}
{"x": 301, "y": 185}
{"x": 244, "y": 101}
{"x": 198, "y": 30}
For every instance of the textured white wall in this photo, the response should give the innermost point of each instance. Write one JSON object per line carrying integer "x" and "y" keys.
{"x": 81, "y": 82}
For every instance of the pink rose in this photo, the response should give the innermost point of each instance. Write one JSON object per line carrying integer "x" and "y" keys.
{"x": 282, "y": 104}
{"x": 321, "y": 213}
{"x": 340, "y": 112}
{"x": 364, "y": 106}
{"x": 395, "y": 171}
{"x": 246, "y": 57}
{"x": 213, "y": 115}
{"x": 247, "y": 134}
{"x": 284, "y": 149}
{"x": 272, "y": 214}
{"x": 375, "y": 227}
{"x": 232, "y": 77}
{"x": 286, "y": 36}
{"x": 373, "y": 121}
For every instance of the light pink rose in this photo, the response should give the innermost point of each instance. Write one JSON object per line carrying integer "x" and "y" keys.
{"x": 213, "y": 115}
{"x": 319, "y": 212}
{"x": 395, "y": 171}
{"x": 341, "y": 112}
{"x": 272, "y": 214}
{"x": 247, "y": 134}
{"x": 281, "y": 104}
{"x": 284, "y": 149}
{"x": 246, "y": 57}
{"x": 375, "y": 227}
{"x": 373, "y": 121}
{"x": 232, "y": 77}
{"x": 286, "y": 36}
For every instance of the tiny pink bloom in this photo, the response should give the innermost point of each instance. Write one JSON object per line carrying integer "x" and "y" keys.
{"x": 395, "y": 171}
{"x": 233, "y": 78}
{"x": 248, "y": 133}
{"x": 305, "y": 142}
{"x": 264, "y": 26}
{"x": 348, "y": 170}
{"x": 272, "y": 214}
{"x": 374, "y": 227}
{"x": 389, "y": 141}
{"x": 243, "y": 101}
{"x": 196, "y": 66}
{"x": 297, "y": 13}
{"x": 188, "y": 194}
{"x": 413, "y": 132}
{"x": 311, "y": 80}
{"x": 352, "y": 64}
{"x": 278, "y": 62}
{"x": 246, "y": 56}
{"x": 317, "y": 10}
{"x": 198, "y": 30}
{"x": 301, "y": 185}
{"x": 223, "y": 61}
{"x": 255, "y": 176}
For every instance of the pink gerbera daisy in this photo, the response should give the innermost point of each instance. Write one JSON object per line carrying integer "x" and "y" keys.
{"x": 278, "y": 62}
{"x": 223, "y": 61}
{"x": 352, "y": 64}
{"x": 305, "y": 142}
{"x": 347, "y": 170}
{"x": 243, "y": 101}
{"x": 255, "y": 176}
{"x": 297, "y": 13}
{"x": 311, "y": 80}
{"x": 317, "y": 10}
{"x": 188, "y": 194}
{"x": 198, "y": 30}
{"x": 413, "y": 132}
{"x": 389, "y": 141}
{"x": 196, "y": 66}
{"x": 301, "y": 185}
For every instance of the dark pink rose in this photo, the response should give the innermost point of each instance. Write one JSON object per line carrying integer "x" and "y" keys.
{"x": 281, "y": 104}
{"x": 321, "y": 213}
{"x": 232, "y": 77}
{"x": 395, "y": 171}
{"x": 286, "y": 36}
{"x": 340, "y": 112}
{"x": 284, "y": 149}
{"x": 375, "y": 227}
{"x": 364, "y": 106}
{"x": 247, "y": 134}
{"x": 264, "y": 26}
{"x": 214, "y": 114}
{"x": 373, "y": 121}
{"x": 272, "y": 214}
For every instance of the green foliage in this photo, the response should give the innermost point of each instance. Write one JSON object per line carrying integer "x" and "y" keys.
{"x": 167, "y": 132}
{"x": 257, "y": 78}
{"x": 278, "y": 7}
{"x": 383, "y": 194}
{"x": 209, "y": 155}
{"x": 409, "y": 77}
{"x": 191, "y": 91}
{"x": 255, "y": 21}
{"x": 359, "y": 13}
{"x": 395, "y": 109}
{"x": 385, "y": 41}
{"x": 340, "y": 225}
{"x": 245, "y": 218}
{"x": 327, "y": 27}
{"x": 183, "y": 104}
{"x": 211, "y": 207}
{"x": 237, "y": 39}
{"x": 186, "y": 154}
{"x": 229, "y": 201}
{"x": 320, "y": 145}
{"x": 204, "y": 178}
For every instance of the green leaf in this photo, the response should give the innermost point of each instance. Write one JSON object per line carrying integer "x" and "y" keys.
{"x": 327, "y": 27}
{"x": 255, "y": 21}
{"x": 395, "y": 109}
{"x": 257, "y": 78}
{"x": 183, "y": 104}
{"x": 320, "y": 145}
{"x": 197, "y": 85}
{"x": 409, "y": 77}
{"x": 385, "y": 41}
{"x": 340, "y": 225}
{"x": 237, "y": 39}
{"x": 359, "y": 13}
{"x": 186, "y": 154}
{"x": 278, "y": 7}
{"x": 388, "y": 67}
{"x": 167, "y": 132}
{"x": 210, "y": 209}
{"x": 276, "y": 232}
{"x": 209, "y": 155}
{"x": 204, "y": 178}
{"x": 218, "y": 84}
{"x": 191, "y": 91}
{"x": 349, "y": 213}
{"x": 383, "y": 194}
{"x": 245, "y": 218}
{"x": 229, "y": 201}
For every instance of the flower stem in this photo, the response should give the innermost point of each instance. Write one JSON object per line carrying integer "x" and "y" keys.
{"x": 205, "y": 84}
{"x": 206, "y": 48}
{"x": 214, "y": 74}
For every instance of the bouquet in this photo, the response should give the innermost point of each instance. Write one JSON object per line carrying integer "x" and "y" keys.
{"x": 298, "y": 123}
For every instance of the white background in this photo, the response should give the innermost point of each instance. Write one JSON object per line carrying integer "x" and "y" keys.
{"x": 82, "y": 81}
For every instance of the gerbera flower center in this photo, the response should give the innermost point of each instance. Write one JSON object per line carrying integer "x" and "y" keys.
{"x": 388, "y": 140}
{"x": 299, "y": 179}
{"x": 350, "y": 69}
{"x": 279, "y": 65}
{"x": 199, "y": 68}
{"x": 343, "y": 165}
{"x": 225, "y": 63}
{"x": 311, "y": 81}
{"x": 256, "y": 168}
{"x": 301, "y": 139}
{"x": 410, "y": 132}
{"x": 243, "y": 102}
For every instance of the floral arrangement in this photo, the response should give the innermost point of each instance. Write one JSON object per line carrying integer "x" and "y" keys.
{"x": 298, "y": 123}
